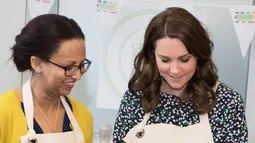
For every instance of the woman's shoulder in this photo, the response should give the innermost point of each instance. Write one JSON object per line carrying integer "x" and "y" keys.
{"x": 8, "y": 102}
{"x": 227, "y": 94}
{"x": 8, "y": 95}
{"x": 229, "y": 114}
{"x": 134, "y": 96}
{"x": 7, "y": 98}
{"x": 130, "y": 103}
{"x": 132, "y": 99}
{"x": 228, "y": 100}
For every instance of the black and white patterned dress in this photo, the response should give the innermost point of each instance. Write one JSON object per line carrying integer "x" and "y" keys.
{"x": 227, "y": 120}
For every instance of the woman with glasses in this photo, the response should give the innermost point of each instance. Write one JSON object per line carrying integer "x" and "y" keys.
{"x": 52, "y": 48}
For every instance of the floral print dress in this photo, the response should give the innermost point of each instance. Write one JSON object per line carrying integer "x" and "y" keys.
{"x": 227, "y": 119}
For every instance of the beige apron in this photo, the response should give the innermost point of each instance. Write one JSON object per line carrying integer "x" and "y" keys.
{"x": 75, "y": 136}
{"x": 168, "y": 133}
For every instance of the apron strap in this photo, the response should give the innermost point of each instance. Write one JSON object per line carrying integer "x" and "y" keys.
{"x": 141, "y": 125}
{"x": 77, "y": 130}
{"x": 29, "y": 109}
{"x": 204, "y": 120}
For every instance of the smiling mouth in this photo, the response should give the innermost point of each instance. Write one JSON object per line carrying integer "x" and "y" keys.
{"x": 176, "y": 77}
{"x": 69, "y": 84}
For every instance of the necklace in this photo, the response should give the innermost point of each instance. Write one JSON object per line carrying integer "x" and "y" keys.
{"x": 52, "y": 127}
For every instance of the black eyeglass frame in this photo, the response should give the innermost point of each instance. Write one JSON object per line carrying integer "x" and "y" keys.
{"x": 86, "y": 62}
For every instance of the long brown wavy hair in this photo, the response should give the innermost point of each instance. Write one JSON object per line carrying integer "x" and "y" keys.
{"x": 176, "y": 23}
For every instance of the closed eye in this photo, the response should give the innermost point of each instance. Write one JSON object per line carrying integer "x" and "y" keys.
{"x": 164, "y": 60}
{"x": 185, "y": 60}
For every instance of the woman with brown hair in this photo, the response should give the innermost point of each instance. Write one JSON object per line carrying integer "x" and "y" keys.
{"x": 174, "y": 94}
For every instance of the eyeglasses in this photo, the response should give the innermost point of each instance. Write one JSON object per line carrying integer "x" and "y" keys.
{"x": 72, "y": 70}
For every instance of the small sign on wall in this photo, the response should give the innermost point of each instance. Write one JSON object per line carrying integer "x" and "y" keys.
{"x": 244, "y": 22}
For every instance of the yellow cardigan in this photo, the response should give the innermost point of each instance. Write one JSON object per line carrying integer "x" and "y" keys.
{"x": 13, "y": 123}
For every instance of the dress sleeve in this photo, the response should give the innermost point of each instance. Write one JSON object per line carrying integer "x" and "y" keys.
{"x": 89, "y": 138}
{"x": 0, "y": 128}
{"x": 237, "y": 131}
{"x": 125, "y": 118}
{"x": 4, "y": 120}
